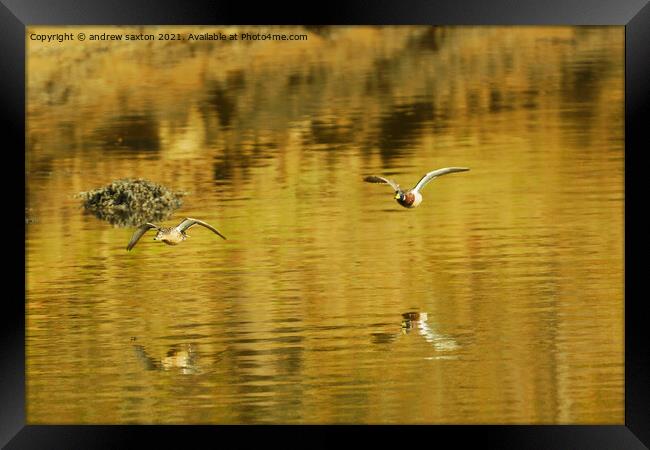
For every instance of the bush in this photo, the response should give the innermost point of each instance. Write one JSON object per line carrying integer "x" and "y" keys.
{"x": 131, "y": 202}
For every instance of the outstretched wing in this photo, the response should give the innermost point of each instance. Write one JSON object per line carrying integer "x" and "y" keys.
{"x": 436, "y": 173}
{"x": 188, "y": 222}
{"x": 138, "y": 234}
{"x": 376, "y": 179}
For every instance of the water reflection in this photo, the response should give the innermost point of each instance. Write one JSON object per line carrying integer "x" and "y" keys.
{"x": 130, "y": 132}
{"x": 222, "y": 100}
{"x": 431, "y": 38}
{"x": 181, "y": 357}
{"x": 400, "y": 128}
{"x": 417, "y": 321}
{"x": 28, "y": 216}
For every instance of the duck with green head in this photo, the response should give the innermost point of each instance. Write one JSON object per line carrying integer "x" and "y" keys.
{"x": 411, "y": 198}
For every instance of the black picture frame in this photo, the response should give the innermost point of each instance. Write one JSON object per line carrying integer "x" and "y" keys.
{"x": 15, "y": 15}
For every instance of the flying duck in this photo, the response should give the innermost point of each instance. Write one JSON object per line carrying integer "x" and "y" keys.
{"x": 412, "y": 197}
{"x": 171, "y": 235}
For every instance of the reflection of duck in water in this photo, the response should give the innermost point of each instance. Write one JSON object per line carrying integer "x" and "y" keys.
{"x": 412, "y": 197}
{"x": 411, "y": 317}
{"x": 171, "y": 235}
{"x": 179, "y": 356}
{"x": 419, "y": 319}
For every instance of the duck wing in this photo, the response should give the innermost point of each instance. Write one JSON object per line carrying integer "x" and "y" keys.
{"x": 138, "y": 234}
{"x": 436, "y": 173}
{"x": 189, "y": 222}
{"x": 376, "y": 179}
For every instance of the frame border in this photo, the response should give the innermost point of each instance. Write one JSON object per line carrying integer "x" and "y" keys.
{"x": 16, "y": 15}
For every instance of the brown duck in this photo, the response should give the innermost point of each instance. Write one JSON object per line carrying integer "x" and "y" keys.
{"x": 172, "y": 235}
{"x": 412, "y": 197}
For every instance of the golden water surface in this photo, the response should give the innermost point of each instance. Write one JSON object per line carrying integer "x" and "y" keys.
{"x": 516, "y": 267}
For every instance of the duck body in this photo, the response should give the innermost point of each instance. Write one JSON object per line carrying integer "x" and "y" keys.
{"x": 170, "y": 236}
{"x": 408, "y": 199}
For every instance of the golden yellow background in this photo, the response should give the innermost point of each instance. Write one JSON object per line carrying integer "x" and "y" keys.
{"x": 297, "y": 317}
